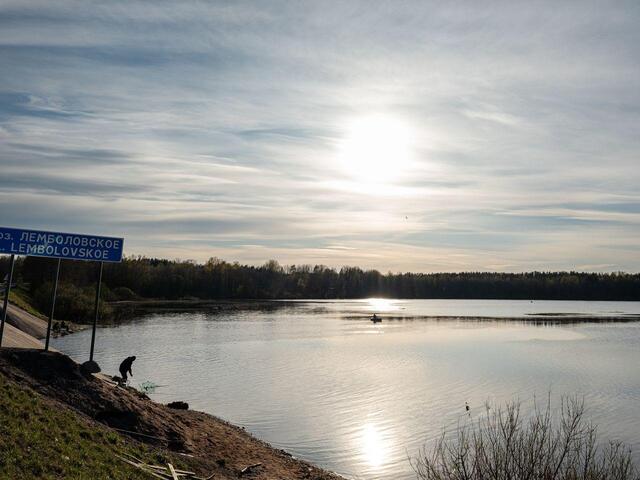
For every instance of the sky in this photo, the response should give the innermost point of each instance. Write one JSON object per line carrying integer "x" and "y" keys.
{"x": 397, "y": 135}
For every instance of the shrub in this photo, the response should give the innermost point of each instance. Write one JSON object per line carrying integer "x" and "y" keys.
{"x": 124, "y": 293}
{"x": 72, "y": 303}
{"x": 504, "y": 445}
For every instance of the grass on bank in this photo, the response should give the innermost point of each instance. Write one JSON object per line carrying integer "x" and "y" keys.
{"x": 40, "y": 440}
{"x": 21, "y": 298}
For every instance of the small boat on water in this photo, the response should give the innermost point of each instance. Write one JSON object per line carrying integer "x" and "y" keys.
{"x": 375, "y": 318}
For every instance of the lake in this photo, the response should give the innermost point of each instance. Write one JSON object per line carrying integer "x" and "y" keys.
{"x": 321, "y": 381}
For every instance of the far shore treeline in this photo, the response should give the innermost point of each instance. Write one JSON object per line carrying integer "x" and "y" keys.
{"x": 142, "y": 278}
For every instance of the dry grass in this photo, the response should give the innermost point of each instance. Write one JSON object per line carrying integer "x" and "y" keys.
{"x": 544, "y": 446}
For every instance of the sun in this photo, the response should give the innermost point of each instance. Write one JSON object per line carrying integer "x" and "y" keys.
{"x": 376, "y": 149}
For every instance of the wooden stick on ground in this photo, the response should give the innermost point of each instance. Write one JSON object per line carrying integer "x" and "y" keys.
{"x": 173, "y": 472}
{"x": 132, "y": 457}
{"x": 138, "y": 465}
{"x": 249, "y": 467}
{"x": 178, "y": 471}
{"x": 165, "y": 471}
{"x": 141, "y": 434}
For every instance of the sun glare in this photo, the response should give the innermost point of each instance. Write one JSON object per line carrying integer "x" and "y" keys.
{"x": 381, "y": 305}
{"x": 373, "y": 446}
{"x": 376, "y": 149}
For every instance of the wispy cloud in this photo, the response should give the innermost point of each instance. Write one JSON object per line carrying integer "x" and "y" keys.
{"x": 200, "y": 129}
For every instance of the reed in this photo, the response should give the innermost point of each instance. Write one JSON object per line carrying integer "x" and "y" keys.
{"x": 547, "y": 444}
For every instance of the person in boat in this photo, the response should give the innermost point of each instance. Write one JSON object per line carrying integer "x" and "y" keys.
{"x": 125, "y": 367}
{"x": 375, "y": 318}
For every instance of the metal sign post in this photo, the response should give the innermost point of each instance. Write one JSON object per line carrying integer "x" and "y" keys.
{"x": 7, "y": 289}
{"x": 96, "y": 311}
{"x": 53, "y": 305}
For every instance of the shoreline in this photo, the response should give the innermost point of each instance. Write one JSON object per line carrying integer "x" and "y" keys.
{"x": 125, "y": 310}
{"x": 208, "y": 445}
{"x": 206, "y": 442}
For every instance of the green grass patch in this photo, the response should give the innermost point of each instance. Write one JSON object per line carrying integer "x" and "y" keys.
{"x": 40, "y": 440}
{"x": 21, "y": 298}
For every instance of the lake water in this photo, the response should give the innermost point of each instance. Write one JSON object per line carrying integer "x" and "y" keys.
{"x": 321, "y": 381}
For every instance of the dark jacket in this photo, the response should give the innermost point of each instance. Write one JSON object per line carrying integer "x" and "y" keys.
{"x": 125, "y": 366}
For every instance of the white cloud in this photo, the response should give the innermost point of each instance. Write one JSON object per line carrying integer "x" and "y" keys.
{"x": 198, "y": 129}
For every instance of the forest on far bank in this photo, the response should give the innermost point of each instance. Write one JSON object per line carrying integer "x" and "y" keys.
{"x": 141, "y": 277}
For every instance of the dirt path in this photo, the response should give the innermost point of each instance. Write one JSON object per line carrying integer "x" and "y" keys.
{"x": 22, "y": 330}
{"x": 15, "y": 338}
{"x": 34, "y": 326}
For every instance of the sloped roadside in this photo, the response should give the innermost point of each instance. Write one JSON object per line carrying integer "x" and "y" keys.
{"x": 14, "y": 338}
{"x": 24, "y": 321}
{"x": 34, "y": 326}
{"x": 22, "y": 330}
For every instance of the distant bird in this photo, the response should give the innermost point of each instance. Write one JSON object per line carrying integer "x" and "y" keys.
{"x": 466, "y": 406}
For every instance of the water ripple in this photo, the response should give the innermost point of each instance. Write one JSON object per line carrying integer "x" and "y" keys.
{"x": 324, "y": 383}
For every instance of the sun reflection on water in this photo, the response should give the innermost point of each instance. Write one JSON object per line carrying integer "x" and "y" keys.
{"x": 381, "y": 305}
{"x": 374, "y": 449}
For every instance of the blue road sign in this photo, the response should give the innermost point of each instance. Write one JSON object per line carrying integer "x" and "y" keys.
{"x": 36, "y": 243}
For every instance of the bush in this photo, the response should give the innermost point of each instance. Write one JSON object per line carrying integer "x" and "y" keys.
{"x": 124, "y": 293}
{"x": 72, "y": 303}
{"x": 504, "y": 445}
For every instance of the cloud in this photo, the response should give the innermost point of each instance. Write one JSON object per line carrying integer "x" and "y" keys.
{"x": 205, "y": 129}
{"x": 22, "y": 104}
{"x": 64, "y": 185}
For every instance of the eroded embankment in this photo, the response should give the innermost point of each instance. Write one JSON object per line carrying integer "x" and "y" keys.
{"x": 211, "y": 445}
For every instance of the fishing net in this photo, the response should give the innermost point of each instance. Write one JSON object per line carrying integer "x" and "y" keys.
{"x": 148, "y": 387}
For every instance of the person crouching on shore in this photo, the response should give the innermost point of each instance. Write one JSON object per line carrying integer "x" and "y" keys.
{"x": 125, "y": 367}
